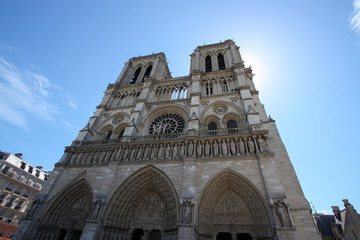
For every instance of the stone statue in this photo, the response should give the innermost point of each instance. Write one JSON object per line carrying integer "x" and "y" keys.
{"x": 96, "y": 210}
{"x": 241, "y": 147}
{"x": 167, "y": 151}
{"x": 126, "y": 153}
{"x": 187, "y": 213}
{"x": 251, "y": 146}
{"x": 232, "y": 147}
{"x": 190, "y": 149}
{"x": 118, "y": 153}
{"x": 146, "y": 152}
{"x": 207, "y": 149}
{"x": 199, "y": 149}
{"x": 182, "y": 150}
{"x": 280, "y": 213}
{"x": 263, "y": 145}
{"x": 160, "y": 152}
{"x": 153, "y": 152}
{"x": 175, "y": 151}
{"x": 132, "y": 154}
{"x": 224, "y": 148}
{"x": 216, "y": 148}
{"x": 139, "y": 153}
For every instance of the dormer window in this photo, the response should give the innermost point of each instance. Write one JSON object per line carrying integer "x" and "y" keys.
{"x": 147, "y": 72}
{"x": 208, "y": 67}
{"x": 221, "y": 62}
{"x": 135, "y": 76}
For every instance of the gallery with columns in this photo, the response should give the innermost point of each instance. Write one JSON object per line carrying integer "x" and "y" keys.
{"x": 162, "y": 157}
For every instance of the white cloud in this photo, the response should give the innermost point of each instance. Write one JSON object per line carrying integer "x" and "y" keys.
{"x": 24, "y": 93}
{"x": 73, "y": 105}
{"x": 355, "y": 18}
{"x": 326, "y": 212}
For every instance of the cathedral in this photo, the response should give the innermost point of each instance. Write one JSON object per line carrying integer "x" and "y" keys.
{"x": 191, "y": 157}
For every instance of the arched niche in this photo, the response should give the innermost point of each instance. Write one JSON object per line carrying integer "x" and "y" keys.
{"x": 67, "y": 212}
{"x": 231, "y": 203}
{"x": 145, "y": 200}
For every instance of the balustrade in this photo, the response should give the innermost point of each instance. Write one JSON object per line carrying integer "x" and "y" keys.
{"x": 218, "y": 85}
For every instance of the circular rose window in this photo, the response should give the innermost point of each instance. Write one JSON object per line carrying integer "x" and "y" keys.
{"x": 166, "y": 124}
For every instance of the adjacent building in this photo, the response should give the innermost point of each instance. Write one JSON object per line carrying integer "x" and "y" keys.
{"x": 19, "y": 183}
{"x": 191, "y": 157}
{"x": 342, "y": 225}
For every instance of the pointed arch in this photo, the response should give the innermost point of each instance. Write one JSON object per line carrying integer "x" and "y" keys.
{"x": 229, "y": 189}
{"x": 67, "y": 211}
{"x": 208, "y": 64}
{"x": 146, "y": 199}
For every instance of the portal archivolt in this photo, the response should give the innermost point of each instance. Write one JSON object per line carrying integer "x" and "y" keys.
{"x": 145, "y": 203}
{"x": 231, "y": 204}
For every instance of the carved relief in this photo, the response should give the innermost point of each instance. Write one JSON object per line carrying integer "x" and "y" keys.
{"x": 187, "y": 211}
{"x": 118, "y": 120}
{"x": 282, "y": 214}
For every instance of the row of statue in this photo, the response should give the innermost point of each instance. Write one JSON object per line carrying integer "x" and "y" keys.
{"x": 175, "y": 150}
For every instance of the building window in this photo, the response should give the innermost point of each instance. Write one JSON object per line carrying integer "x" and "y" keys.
{"x": 221, "y": 62}
{"x": 147, "y": 72}
{"x": 121, "y": 134}
{"x": 231, "y": 124}
{"x": 10, "y": 202}
{"x": 5, "y": 169}
{"x": 108, "y": 135}
{"x": 37, "y": 173}
{"x": 46, "y": 177}
{"x": 26, "y": 194}
{"x": 9, "y": 187}
{"x": 167, "y": 124}
{"x": 208, "y": 67}
{"x": 30, "y": 169}
{"x": 19, "y": 205}
{"x": 135, "y": 76}
{"x": 211, "y": 127}
{"x": 23, "y": 165}
{"x": 18, "y": 190}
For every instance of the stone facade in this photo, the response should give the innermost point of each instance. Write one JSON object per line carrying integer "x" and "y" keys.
{"x": 19, "y": 184}
{"x": 192, "y": 157}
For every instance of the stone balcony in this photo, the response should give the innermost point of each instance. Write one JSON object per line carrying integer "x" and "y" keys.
{"x": 232, "y": 142}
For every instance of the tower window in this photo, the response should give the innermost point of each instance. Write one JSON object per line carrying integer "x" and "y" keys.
{"x": 135, "y": 76}
{"x": 221, "y": 62}
{"x": 147, "y": 72}
{"x": 121, "y": 134}
{"x": 212, "y": 126}
{"x": 108, "y": 135}
{"x": 208, "y": 67}
{"x": 232, "y": 124}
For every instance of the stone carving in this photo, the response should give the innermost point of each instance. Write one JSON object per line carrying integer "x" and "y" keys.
{"x": 153, "y": 152}
{"x": 167, "y": 151}
{"x": 205, "y": 103}
{"x": 107, "y": 114}
{"x": 242, "y": 146}
{"x": 132, "y": 154}
{"x": 117, "y": 120}
{"x": 187, "y": 212}
{"x": 199, "y": 149}
{"x": 190, "y": 149}
{"x": 94, "y": 216}
{"x": 220, "y": 109}
{"x": 251, "y": 146}
{"x": 160, "y": 152}
{"x": 282, "y": 213}
{"x": 263, "y": 145}
{"x": 139, "y": 153}
{"x": 224, "y": 148}
{"x": 216, "y": 148}
{"x": 175, "y": 151}
{"x": 182, "y": 150}
{"x": 232, "y": 147}
{"x": 146, "y": 152}
{"x": 207, "y": 149}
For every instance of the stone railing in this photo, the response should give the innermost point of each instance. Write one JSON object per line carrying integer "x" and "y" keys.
{"x": 202, "y": 144}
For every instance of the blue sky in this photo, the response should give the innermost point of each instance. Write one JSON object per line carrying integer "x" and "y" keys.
{"x": 57, "y": 57}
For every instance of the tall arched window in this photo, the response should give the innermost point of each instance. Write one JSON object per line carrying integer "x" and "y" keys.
{"x": 108, "y": 135}
{"x": 208, "y": 67}
{"x": 221, "y": 62}
{"x": 231, "y": 124}
{"x": 135, "y": 76}
{"x": 121, "y": 134}
{"x": 147, "y": 72}
{"x": 212, "y": 126}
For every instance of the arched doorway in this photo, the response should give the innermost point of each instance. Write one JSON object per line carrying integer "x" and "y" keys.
{"x": 145, "y": 204}
{"x": 231, "y": 206}
{"x": 66, "y": 216}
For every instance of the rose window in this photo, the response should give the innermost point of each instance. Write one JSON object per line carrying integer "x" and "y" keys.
{"x": 166, "y": 124}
